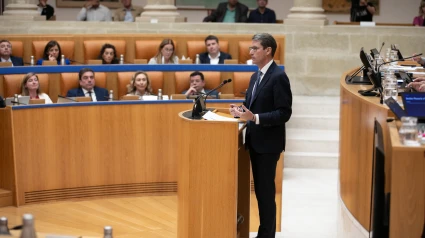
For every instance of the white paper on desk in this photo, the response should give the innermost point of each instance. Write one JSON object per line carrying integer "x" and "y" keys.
{"x": 406, "y": 68}
{"x": 211, "y": 116}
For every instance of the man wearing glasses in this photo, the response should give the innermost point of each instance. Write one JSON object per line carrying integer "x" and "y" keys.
{"x": 267, "y": 107}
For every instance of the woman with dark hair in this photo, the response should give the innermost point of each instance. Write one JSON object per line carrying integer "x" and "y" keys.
{"x": 108, "y": 54}
{"x": 52, "y": 52}
{"x": 30, "y": 86}
{"x": 419, "y": 20}
{"x": 166, "y": 53}
{"x": 140, "y": 84}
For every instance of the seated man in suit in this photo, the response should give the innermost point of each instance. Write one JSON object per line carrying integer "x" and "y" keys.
{"x": 262, "y": 14}
{"x": 197, "y": 84}
{"x": 128, "y": 12}
{"x": 87, "y": 87}
{"x": 214, "y": 55}
{"x": 6, "y": 54}
{"x": 231, "y": 11}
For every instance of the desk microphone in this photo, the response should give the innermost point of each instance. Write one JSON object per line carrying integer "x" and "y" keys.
{"x": 379, "y": 66}
{"x": 68, "y": 98}
{"x": 199, "y": 106}
{"x": 19, "y": 103}
{"x": 383, "y": 43}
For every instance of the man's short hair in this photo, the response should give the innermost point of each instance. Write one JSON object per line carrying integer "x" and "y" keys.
{"x": 197, "y": 73}
{"x": 266, "y": 40}
{"x": 1, "y": 41}
{"x": 83, "y": 71}
{"x": 211, "y": 37}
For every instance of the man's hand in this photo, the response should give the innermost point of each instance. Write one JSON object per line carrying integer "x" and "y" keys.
{"x": 191, "y": 91}
{"x": 419, "y": 79}
{"x": 88, "y": 4}
{"x": 241, "y": 112}
{"x": 418, "y": 59}
{"x": 418, "y": 86}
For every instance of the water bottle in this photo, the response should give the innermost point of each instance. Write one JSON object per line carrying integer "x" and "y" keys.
{"x": 107, "y": 232}
{"x": 159, "y": 94}
{"x": 4, "y": 229}
{"x": 62, "y": 59}
{"x": 121, "y": 59}
{"x": 28, "y": 230}
{"x": 197, "y": 61}
{"x": 111, "y": 95}
{"x": 32, "y": 60}
{"x": 15, "y": 99}
{"x": 408, "y": 131}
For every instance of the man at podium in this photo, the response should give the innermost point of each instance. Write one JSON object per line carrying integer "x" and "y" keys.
{"x": 266, "y": 109}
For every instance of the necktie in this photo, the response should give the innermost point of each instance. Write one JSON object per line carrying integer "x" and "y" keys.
{"x": 254, "y": 90}
{"x": 90, "y": 92}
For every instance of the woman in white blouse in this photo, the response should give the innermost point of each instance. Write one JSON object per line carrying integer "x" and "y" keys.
{"x": 30, "y": 86}
{"x": 139, "y": 84}
{"x": 166, "y": 53}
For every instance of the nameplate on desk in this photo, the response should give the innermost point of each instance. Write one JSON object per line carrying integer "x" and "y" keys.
{"x": 367, "y": 23}
{"x": 154, "y": 20}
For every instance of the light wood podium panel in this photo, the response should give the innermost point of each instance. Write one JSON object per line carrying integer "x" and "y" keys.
{"x": 210, "y": 172}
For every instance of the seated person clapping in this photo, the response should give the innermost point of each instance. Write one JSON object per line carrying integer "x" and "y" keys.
{"x": 418, "y": 84}
{"x": 165, "y": 54}
{"x": 108, "y": 54}
{"x": 52, "y": 52}
{"x": 87, "y": 87}
{"x": 197, "y": 84}
{"x": 30, "y": 86}
{"x": 140, "y": 84}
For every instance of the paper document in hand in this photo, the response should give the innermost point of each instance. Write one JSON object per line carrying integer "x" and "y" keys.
{"x": 211, "y": 116}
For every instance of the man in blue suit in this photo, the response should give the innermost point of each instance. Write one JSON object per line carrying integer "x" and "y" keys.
{"x": 87, "y": 87}
{"x": 213, "y": 54}
{"x": 267, "y": 107}
{"x": 197, "y": 84}
{"x": 6, "y": 54}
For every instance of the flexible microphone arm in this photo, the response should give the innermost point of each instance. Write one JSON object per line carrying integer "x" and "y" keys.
{"x": 199, "y": 104}
{"x": 379, "y": 66}
{"x": 383, "y": 43}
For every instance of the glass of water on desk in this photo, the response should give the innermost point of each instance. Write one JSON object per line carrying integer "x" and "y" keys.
{"x": 408, "y": 131}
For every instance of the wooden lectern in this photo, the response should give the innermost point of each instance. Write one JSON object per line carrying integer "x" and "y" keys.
{"x": 213, "y": 179}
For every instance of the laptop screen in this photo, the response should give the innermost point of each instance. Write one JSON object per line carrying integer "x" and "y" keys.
{"x": 414, "y": 104}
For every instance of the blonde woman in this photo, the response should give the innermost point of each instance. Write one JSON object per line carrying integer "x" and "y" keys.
{"x": 30, "y": 86}
{"x": 166, "y": 53}
{"x": 140, "y": 84}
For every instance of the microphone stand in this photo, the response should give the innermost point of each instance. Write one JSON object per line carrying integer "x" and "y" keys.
{"x": 199, "y": 106}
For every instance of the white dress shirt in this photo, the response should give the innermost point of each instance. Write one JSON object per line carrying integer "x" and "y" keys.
{"x": 87, "y": 94}
{"x": 9, "y": 60}
{"x": 214, "y": 60}
{"x": 100, "y": 13}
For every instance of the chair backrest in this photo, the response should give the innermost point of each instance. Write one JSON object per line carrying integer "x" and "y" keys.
{"x": 17, "y": 48}
{"x": 155, "y": 77}
{"x": 197, "y": 47}
{"x": 241, "y": 83}
{"x": 67, "y": 48}
{"x": 212, "y": 80}
{"x": 244, "y": 51}
{"x": 92, "y": 48}
{"x": 12, "y": 83}
{"x": 70, "y": 80}
{"x": 146, "y": 49}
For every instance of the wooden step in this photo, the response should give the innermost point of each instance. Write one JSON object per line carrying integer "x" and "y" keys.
{"x": 6, "y": 198}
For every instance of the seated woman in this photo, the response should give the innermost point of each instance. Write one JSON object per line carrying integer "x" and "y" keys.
{"x": 52, "y": 52}
{"x": 419, "y": 20}
{"x": 31, "y": 87}
{"x": 108, "y": 54}
{"x": 140, "y": 84}
{"x": 166, "y": 54}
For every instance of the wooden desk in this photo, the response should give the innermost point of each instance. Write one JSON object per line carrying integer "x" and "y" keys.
{"x": 94, "y": 149}
{"x": 404, "y": 166}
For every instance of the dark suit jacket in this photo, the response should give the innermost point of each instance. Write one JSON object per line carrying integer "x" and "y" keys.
{"x": 220, "y": 12}
{"x": 273, "y": 103}
{"x": 2, "y": 102}
{"x": 17, "y": 61}
{"x": 48, "y": 11}
{"x": 206, "y": 60}
{"x": 101, "y": 93}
